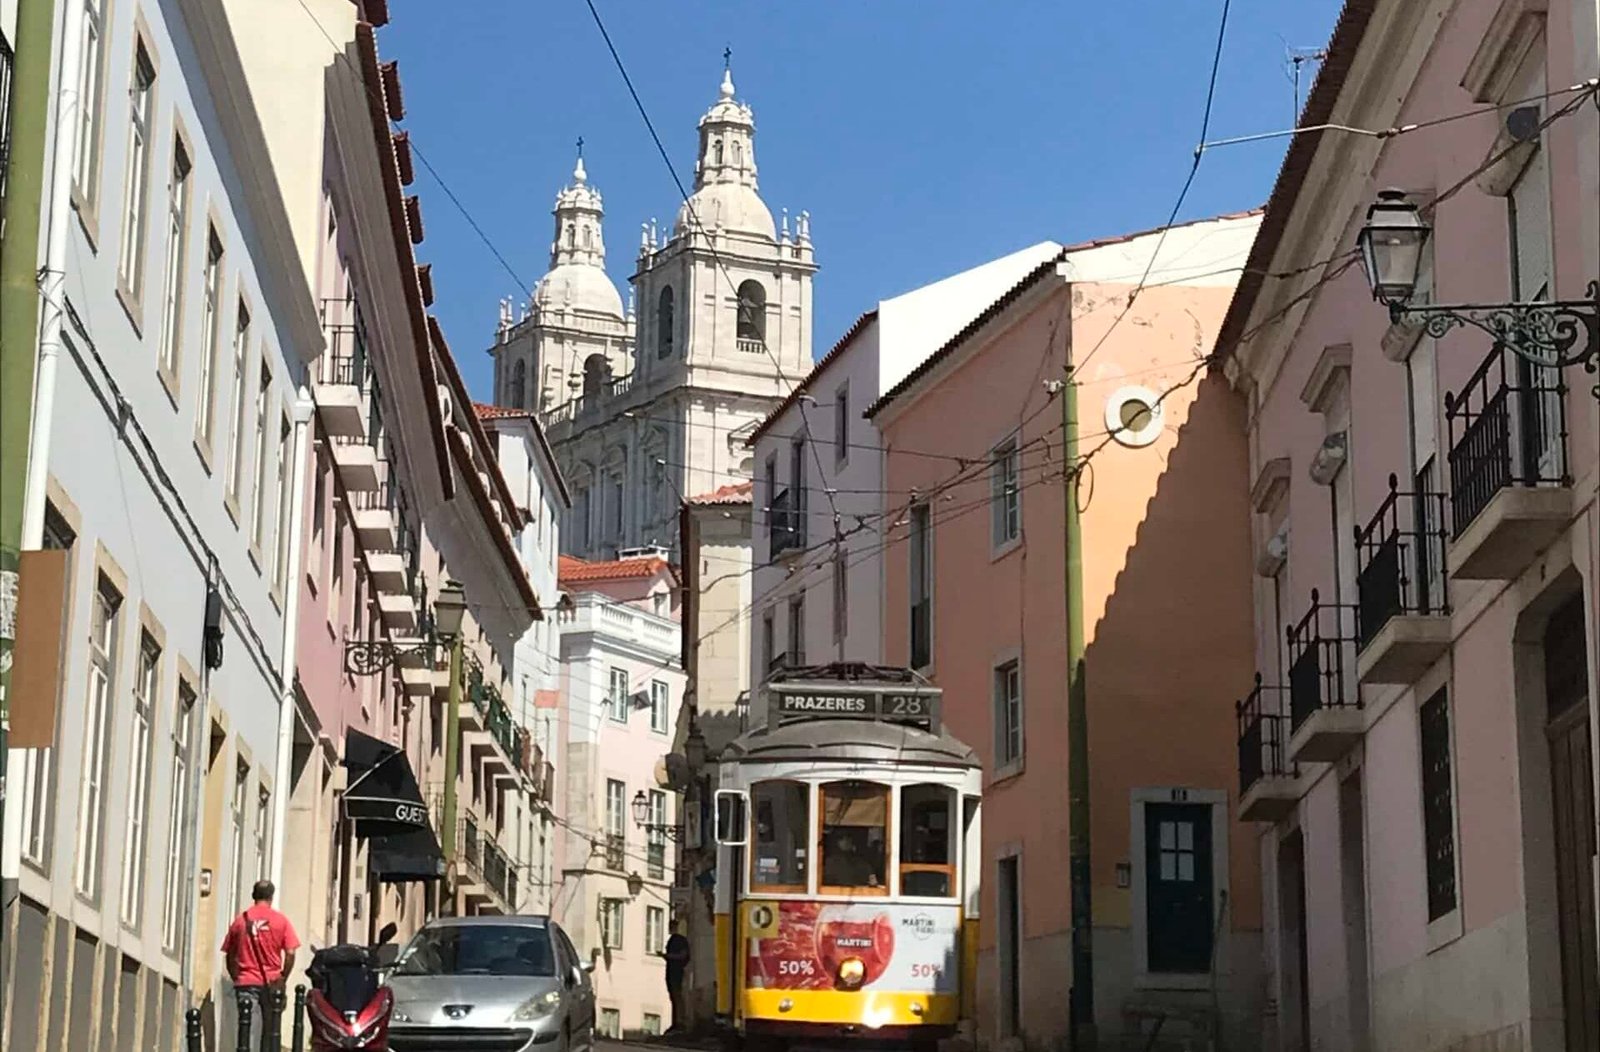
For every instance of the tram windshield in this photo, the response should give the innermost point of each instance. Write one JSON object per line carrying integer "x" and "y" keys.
{"x": 855, "y": 837}
{"x": 782, "y": 812}
{"x": 927, "y": 841}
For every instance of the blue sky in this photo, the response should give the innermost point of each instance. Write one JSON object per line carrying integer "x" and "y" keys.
{"x": 924, "y": 136}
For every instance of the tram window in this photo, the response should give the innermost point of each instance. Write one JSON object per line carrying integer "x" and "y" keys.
{"x": 927, "y": 843}
{"x": 782, "y": 835}
{"x": 855, "y": 837}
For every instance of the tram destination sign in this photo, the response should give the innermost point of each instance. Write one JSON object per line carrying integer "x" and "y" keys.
{"x": 861, "y": 701}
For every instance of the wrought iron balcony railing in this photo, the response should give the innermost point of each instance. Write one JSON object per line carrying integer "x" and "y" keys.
{"x": 1322, "y": 661}
{"x": 1508, "y": 428}
{"x": 1262, "y": 738}
{"x": 1400, "y": 560}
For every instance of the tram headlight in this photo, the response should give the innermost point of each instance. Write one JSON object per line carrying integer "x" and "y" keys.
{"x": 851, "y": 972}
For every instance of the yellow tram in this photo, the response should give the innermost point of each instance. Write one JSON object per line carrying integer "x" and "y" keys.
{"x": 847, "y": 865}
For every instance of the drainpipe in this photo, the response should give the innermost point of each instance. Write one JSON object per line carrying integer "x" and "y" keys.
{"x": 34, "y": 18}
{"x": 291, "y": 617}
{"x": 452, "y": 757}
{"x": 1082, "y": 993}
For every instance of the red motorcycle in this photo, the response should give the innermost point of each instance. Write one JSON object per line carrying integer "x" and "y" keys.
{"x": 347, "y": 1006}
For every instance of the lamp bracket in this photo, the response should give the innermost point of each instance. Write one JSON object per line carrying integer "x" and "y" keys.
{"x": 1555, "y": 335}
{"x": 370, "y": 657}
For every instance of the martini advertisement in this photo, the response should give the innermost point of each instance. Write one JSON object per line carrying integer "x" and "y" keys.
{"x": 800, "y": 945}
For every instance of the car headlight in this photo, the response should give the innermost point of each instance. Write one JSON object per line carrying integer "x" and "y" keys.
{"x": 852, "y": 972}
{"x": 537, "y": 1007}
{"x": 400, "y": 1017}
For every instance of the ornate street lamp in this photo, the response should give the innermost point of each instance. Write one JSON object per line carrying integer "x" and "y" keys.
{"x": 1557, "y": 334}
{"x": 370, "y": 657}
{"x": 641, "y": 818}
{"x": 635, "y": 885}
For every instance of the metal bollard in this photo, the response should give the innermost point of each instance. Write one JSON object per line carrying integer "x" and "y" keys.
{"x": 299, "y": 1018}
{"x": 245, "y": 1010}
{"x": 272, "y": 1025}
{"x": 191, "y": 1030}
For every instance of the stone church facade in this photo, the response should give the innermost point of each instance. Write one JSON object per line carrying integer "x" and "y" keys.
{"x": 652, "y": 403}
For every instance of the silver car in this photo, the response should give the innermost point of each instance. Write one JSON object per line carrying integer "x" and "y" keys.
{"x": 491, "y": 984}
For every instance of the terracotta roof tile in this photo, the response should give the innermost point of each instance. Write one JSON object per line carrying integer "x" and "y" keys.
{"x": 737, "y": 493}
{"x": 498, "y": 412}
{"x": 571, "y": 569}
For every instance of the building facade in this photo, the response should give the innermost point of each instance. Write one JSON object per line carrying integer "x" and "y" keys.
{"x": 1420, "y": 756}
{"x": 623, "y": 686}
{"x": 647, "y": 404}
{"x": 973, "y": 437}
{"x": 172, "y": 430}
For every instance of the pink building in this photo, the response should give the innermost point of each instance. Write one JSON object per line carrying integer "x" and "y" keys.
{"x": 973, "y": 582}
{"x": 1419, "y": 755}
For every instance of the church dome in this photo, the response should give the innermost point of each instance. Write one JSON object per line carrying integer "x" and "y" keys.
{"x": 578, "y": 287}
{"x": 731, "y": 207}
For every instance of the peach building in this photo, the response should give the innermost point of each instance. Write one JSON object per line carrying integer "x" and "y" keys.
{"x": 974, "y": 572}
{"x": 1419, "y": 756}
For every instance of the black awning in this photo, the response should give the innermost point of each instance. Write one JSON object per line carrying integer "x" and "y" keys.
{"x": 401, "y": 858}
{"x": 383, "y": 797}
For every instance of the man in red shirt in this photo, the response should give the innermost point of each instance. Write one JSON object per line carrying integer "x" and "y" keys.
{"x": 259, "y": 950}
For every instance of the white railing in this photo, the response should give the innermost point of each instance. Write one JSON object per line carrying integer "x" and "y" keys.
{"x": 601, "y": 614}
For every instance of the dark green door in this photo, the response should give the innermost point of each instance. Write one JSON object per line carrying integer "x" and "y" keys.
{"x": 1178, "y": 886}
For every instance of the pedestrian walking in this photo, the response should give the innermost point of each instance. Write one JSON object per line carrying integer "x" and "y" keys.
{"x": 677, "y": 955}
{"x": 259, "y": 951}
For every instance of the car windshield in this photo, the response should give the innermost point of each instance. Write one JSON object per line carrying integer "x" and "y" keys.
{"x": 480, "y": 949}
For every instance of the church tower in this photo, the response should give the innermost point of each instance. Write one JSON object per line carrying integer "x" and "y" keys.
{"x": 645, "y": 412}
{"x": 574, "y": 336}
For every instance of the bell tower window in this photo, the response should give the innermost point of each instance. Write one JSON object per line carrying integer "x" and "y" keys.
{"x": 664, "y": 321}
{"x": 519, "y": 385}
{"x": 716, "y": 152}
{"x": 596, "y": 374}
{"x": 752, "y": 311}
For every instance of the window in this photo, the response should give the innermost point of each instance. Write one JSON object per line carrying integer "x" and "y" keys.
{"x": 616, "y": 506}
{"x": 652, "y": 1023}
{"x": 141, "y": 99}
{"x": 659, "y": 704}
{"x": 175, "y": 258}
{"x": 797, "y": 630}
{"x": 611, "y": 1023}
{"x": 1438, "y": 805}
{"x": 782, "y": 823}
{"x": 285, "y": 481}
{"x": 655, "y": 931}
{"x": 240, "y": 403}
{"x": 841, "y": 597}
{"x": 616, "y": 830}
{"x": 617, "y": 695}
{"x": 716, "y": 152}
{"x": 927, "y": 841}
{"x": 769, "y": 641}
{"x": 664, "y": 322}
{"x": 86, "y": 171}
{"x": 260, "y": 517}
{"x": 177, "y": 807}
{"x": 611, "y": 914}
{"x": 921, "y": 587}
{"x": 146, "y": 688}
{"x": 841, "y": 424}
{"x": 752, "y": 325}
{"x": 657, "y": 844}
{"x": 105, "y": 625}
{"x": 797, "y": 487}
{"x": 211, "y": 334}
{"x": 855, "y": 837}
{"x": 241, "y": 790}
{"x": 1005, "y": 494}
{"x": 263, "y": 827}
{"x": 38, "y": 769}
{"x": 1007, "y": 715}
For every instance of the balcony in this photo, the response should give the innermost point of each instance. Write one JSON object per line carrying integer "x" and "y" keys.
{"x": 1402, "y": 600}
{"x": 483, "y": 748}
{"x": 490, "y": 714}
{"x": 620, "y": 623}
{"x": 343, "y": 375}
{"x": 786, "y": 525}
{"x": 399, "y": 611}
{"x": 1510, "y": 496}
{"x": 416, "y": 682}
{"x": 357, "y": 463}
{"x": 1325, "y": 717}
{"x": 750, "y": 346}
{"x": 377, "y": 524}
{"x": 1268, "y": 789}
{"x": 388, "y": 571}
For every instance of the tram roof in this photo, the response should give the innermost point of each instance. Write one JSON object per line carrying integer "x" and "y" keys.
{"x": 823, "y": 739}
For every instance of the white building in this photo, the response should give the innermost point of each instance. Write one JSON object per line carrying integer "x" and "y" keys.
{"x": 643, "y": 410}
{"x": 529, "y": 466}
{"x": 623, "y": 687}
{"x": 816, "y": 592}
{"x": 165, "y": 443}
